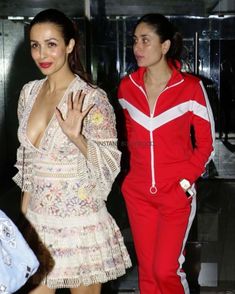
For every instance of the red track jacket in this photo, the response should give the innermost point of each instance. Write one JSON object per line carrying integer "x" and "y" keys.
{"x": 160, "y": 144}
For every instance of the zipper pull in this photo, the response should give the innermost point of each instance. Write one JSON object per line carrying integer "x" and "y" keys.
{"x": 153, "y": 189}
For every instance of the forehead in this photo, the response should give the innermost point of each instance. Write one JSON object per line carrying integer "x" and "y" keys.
{"x": 45, "y": 31}
{"x": 144, "y": 29}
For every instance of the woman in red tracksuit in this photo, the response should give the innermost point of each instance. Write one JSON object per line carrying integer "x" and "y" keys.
{"x": 161, "y": 106}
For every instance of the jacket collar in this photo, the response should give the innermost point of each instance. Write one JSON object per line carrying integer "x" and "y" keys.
{"x": 176, "y": 76}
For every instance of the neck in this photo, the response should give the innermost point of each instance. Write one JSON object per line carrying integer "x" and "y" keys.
{"x": 157, "y": 75}
{"x": 59, "y": 81}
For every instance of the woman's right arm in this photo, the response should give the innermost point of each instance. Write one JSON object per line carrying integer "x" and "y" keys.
{"x": 23, "y": 176}
{"x": 25, "y": 202}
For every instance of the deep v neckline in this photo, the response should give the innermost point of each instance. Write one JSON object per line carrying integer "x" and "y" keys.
{"x": 51, "y": 120}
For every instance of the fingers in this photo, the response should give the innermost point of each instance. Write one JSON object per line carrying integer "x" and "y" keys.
{"x": 77, "y": 103}
{"x": 59, "y": 116}
{"x": 78, "y": 100}
{"x": 85, "y": 112}
{"x": 70, "y": 101}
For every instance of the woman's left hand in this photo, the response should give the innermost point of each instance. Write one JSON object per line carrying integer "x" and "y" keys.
{"x": 72, "y": 124}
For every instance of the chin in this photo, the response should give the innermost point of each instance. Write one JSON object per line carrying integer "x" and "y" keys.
{"x": 140, "y": 64}
{"x": 45, "y": 71}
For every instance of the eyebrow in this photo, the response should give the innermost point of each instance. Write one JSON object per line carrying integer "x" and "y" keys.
{"x": 143, "y": 35}
{"x": 47, "y": 40}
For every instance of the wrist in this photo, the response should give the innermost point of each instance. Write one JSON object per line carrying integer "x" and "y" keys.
{"x": 81, "y": 143}
{"x": 77, "y": 140}
{"x": 186, "y": 186}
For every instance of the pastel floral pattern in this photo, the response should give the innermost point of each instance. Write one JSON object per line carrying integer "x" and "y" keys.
{"x": 97, "y": 117}
{"x": 68, "y": 191}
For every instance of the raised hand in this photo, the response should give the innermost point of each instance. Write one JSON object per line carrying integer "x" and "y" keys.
{"x": 71, "y": 125}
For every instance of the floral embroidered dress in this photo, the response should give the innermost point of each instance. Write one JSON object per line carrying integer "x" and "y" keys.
{"x": 68, "y": 191}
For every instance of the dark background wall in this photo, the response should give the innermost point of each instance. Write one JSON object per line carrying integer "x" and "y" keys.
{"x": 106, "y": 49}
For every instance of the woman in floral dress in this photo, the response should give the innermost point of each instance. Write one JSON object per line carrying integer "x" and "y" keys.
{"x": 67, "y": 162}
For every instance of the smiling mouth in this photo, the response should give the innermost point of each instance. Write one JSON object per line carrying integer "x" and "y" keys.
{"x": 45, "y": 64}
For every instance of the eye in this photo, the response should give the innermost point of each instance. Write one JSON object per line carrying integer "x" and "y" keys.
{"x": 145, "y": 40}
{"x": 34, "y": 45}
{"x": 52, "y": 44}
{"x": 134, "y": 41}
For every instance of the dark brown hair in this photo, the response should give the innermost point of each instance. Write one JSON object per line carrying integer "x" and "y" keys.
{"x": 69, "y": 31}
{"x": 166, "y": 31}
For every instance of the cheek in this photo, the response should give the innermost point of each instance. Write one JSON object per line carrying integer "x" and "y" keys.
{"x": 155, "y": 52}
{"x": 57, "y": 53}
{"x": 34, "y": 54}
{"x": 137, "y": 49}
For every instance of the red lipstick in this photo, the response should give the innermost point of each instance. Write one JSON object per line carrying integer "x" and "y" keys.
{"x": 45, "y": 64}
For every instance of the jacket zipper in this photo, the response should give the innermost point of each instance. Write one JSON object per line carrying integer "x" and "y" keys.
{"x": 153, "y": 188}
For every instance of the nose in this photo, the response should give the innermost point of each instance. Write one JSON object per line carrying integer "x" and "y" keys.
{"x": 42, "y": 52}
{"x": 137, "y": 46}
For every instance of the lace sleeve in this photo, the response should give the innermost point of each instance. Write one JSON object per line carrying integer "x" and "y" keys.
{"x": 23, "y": 176}
{"x": 24, "y": 93}
{"x": 24, "y": 157}
{"x": 103, "y": 155}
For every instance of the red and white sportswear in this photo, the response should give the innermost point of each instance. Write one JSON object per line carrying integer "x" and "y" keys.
{"x": 159, "y": 142}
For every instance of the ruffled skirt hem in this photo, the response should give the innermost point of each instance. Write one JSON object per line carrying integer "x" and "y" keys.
{"x": 57, "y": 283}
{"x": 86, "y": 250}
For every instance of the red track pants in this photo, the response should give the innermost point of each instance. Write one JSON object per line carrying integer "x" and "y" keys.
{"x": 160, "y": 225}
